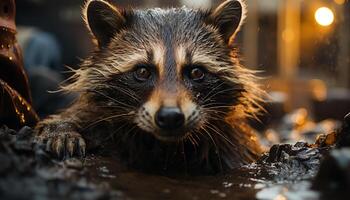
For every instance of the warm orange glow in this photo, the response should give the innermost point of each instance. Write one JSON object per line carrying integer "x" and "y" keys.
{"x": 280, "y": 197}
{"x": 340, "y": 2}
{"x": 324, "y": 16}
{"x": 318, "y": 89}
{"x": 288, "y": 35}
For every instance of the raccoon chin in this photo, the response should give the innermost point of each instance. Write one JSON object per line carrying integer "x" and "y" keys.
{"x": 163, "y": 136}
{"x": 171, "y": 138}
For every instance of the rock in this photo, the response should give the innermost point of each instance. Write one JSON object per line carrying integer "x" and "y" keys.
{"x": 343, "y": 139}
{"x": 283, "y": 152}
{"x": 5, "y": 163}
{"x": 324, "y": 140}
{"x": 333, "y": 177}
{"x": 334, "y": 173}
{"x": 25, "y": 163}
{"x": 291, "y": 162}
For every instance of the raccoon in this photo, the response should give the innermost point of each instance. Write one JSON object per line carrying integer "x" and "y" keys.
{"x": 165, "y": 87}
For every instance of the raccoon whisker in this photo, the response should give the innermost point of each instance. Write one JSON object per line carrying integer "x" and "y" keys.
{"x": 123, "y": 134}
{"x": 211, "y": 94}
{"x": 135, "y": 133}
{"x": 215, "y": 105}
{"x": 221, "y": 135}
{"x": 213, "y": 111}
{"x": 113, "y": 99}
{"x": 184, "y": 154}
{"x": 108, "y": 118}
{"x": 111, "y": 136}
{"x": 112, "y": 105}
{"x": 212, "y": 90}
{"x": 145, "y": 124}
{"x": 216, "y": 118}
{"x": 115, "y": 107}
{"x": 210, "y": 136}
{"x": 193, "y": 135}
{"x": 192, "y": 140}
{"x": 216, "y": 147}
{"x": 147, "y": 120}
{"x": 220, "y": 92}
{"x": 216, "y": 115}
{"x": 126, "y": 134}
{"x": 128, "y": 92}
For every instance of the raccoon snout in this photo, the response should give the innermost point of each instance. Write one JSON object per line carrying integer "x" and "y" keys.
{"x": 170, "y": 118}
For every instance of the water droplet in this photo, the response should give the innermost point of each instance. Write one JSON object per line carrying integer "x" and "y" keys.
{"x": 222, "y": 195}
{"x": 214, "y": 191}
{"x": 227, "y": 184}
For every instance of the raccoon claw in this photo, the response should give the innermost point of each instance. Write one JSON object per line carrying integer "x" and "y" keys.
{"x": 64, "y": 145}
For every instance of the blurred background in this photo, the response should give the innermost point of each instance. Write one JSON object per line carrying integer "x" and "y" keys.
{"x": 302, "y": 48}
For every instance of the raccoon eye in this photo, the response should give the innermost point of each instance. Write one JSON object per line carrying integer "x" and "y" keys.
{"x": 197, "y": 74}
{"x": 142, "y": 74}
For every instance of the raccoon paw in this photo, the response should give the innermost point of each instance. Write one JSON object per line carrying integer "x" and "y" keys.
{"x": 63, "y": 144}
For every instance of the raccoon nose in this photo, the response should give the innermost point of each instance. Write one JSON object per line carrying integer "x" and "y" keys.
{"x": 169, "y": 118}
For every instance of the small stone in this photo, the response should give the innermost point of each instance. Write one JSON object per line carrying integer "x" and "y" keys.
{"x": 325, "y": 140}
{"x": 5, "y": 163}
{"x": 334, "y": 173}
{"x": 343, "y": 135}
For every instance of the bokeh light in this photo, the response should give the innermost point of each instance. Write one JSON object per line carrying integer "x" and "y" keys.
{"x": 324, "y": 16}
{"x": 340, "y": 2}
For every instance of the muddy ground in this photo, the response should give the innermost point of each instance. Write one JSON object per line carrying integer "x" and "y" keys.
{"x": 299, "y": 171}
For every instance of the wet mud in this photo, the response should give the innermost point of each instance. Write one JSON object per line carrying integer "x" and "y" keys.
{"x": 298, "y": 171}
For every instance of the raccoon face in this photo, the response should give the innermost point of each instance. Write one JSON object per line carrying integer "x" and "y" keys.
{"x": 177, "y": 63}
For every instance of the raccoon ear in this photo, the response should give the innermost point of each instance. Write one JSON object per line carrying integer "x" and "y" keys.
{"x": 103, "y": 19}
{"x": 228, "y": 17}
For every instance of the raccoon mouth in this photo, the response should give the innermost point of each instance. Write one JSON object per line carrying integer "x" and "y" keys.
{"x": 167, "y": 135}
{"x": 171, "y": 136}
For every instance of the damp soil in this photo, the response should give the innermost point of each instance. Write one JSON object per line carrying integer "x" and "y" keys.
{"x": 28, "y": 172}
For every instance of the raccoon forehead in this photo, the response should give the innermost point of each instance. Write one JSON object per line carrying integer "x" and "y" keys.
{"x": 180, "y": 20}
{"x": 160, "y": 13}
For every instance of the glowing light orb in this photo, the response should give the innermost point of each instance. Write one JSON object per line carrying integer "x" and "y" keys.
{"x": 324, "y": 16}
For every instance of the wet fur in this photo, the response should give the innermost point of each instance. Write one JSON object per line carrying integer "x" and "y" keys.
{"x": 108, "y": 100}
